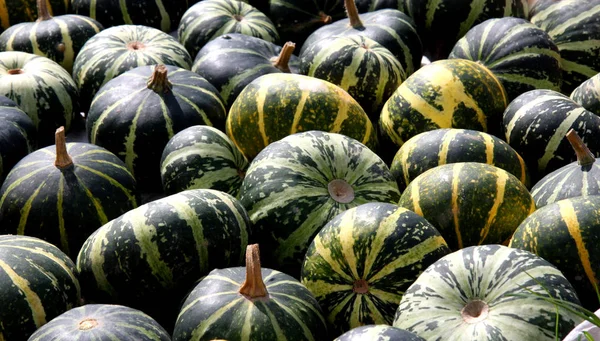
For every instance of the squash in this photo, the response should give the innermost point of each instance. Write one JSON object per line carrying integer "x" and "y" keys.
{"x": 12, "y": 13}
{"x": 17, "y": 135}
{"x": 378, "y": 333}
{"x": 587, "y": 94}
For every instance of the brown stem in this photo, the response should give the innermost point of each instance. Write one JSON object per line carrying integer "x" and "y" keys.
{"x": 584, "y": 155}
{"x": 352, "y": 13}
{"x": 282, "y": 61}
{"x": 63, "y": 160}
{"x": 253, "y": 286}
{"x": 42, "y": 8}
{"x": 159, "y": 81}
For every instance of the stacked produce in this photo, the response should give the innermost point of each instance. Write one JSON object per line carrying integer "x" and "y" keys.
{"x": 298, "y": 170}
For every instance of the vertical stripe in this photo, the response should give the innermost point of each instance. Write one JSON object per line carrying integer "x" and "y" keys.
{"x": 165, "y": 22}
{"x": 93, "y": 256}
{"x": 27, "y": 208}
{"x": 445, "y": 145}
{"x": 102, "y": 218}
{"x": 124, "y": 12}
{"x": 130, "y": 155}
{"x": 455, "y": 209}
{"x": 279, "y": 334}
{"x": 92, "y": 10}
{"x": 34, "y": 301}
{"x": 559, "y": 136}
{"x": 346, "y": 240}
{"x": 260, "y": 107}
{"x": 64, "y": 240}
{"x": 344, "y": 100}
{"x": 69, "y": 53}
{"x": 489, "y": 148}
{"x": 501, "y": 179}
{"x": 293, "y": 313}
{"x": 247, "y": 327}
{"x": 298, "y": 114}
{"x": 205, "y": 324}
{"x": 407, "y": 150}
{"x": 416, "y": 198}
{"x": 188, "y": 214}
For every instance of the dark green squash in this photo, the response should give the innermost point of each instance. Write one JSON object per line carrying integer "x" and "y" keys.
{"x": 17, "y": 135}
{"x": 588, "y": 94}
{"x": 15, "y": 12}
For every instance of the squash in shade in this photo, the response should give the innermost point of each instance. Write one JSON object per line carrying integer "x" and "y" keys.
{"x": 15, "y": 12}
{"x": 17, "y": 135}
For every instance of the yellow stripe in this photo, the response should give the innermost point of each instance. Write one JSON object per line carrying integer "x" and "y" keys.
{"x": 130, "y": 155}
{"x": 64, "y": 240}
{"x": 568, "y": 24}
{"x": 27, "y": 208}
{"x": 112, "y": 181}
{"x": 476, "y": 9}
{"x": 207, "y": 323}
{"x": 440, "y": 118}
{"x": 405, "y": 151}
{"x": 279, "y": 334}
{"x": 247, "y": 327}
{"x": 444, "y": 147}
{"x": 416, "y": 198}
{"x": 343, "y": 110}
{"x": 325, "y": 253}
{"x": 346, "y": 240}
{"x": 298, "y": 114}
{"x": 385, "y": 228}
{"x": 4, "y": 19}
{"x": 501, "y": 179}
{"x": 491, "y": 75}
{"x": 97, "y": 205}
{"x": 558, "y": 137}
{"x": 308, "y": 335}
{"x": 569, "y": 216}
{"x": 33, "y": 300}
{"x": 95, "y": 257}
{"x": 69, "y": 53}
{"x": 489, "y": 148}
{"x": 260, "y": 107}
{"x": 92, "y": 9}
{"x": 455, "y": 209}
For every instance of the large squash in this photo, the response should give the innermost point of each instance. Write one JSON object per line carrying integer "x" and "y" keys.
{"x": 15, "y": 12}
{"x": 17, "y": 135}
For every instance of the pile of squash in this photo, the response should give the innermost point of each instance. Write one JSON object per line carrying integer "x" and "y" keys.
{"x": 298, "y": 170}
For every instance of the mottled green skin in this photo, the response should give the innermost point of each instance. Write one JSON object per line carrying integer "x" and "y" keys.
{"x": 216, "y": 310}
{"x": 136, "y": 122}
{"x": 23, "y": 11}
{"x": 111, "y": 53}
{"x": 202, "y": 157}
{"x": 588, "y": 94}
{"x": 17, "y": 135}
{"x": 535, "y": 124}
{"x": 232, "y": 61}
{"x": 285, "y": 191}
{"x": 59, "y": 38}
{"x": 389, "y": 27}
{"x": 469, "y": 203}
{"x": 150, "y": 257}
{"x": 441, "y": 23}
{"x": 378, "y": 333}
{"x": 274, "y": 106}
{"x": 65, "y": 206}
{"x": 565, "y": 233}
{"x": 44, "y": 91}
{"x": 383, "y": 244}
{"x": 457, "y": 93}
{"x": 521, "y": 55}
{"x": 114, "y": 322}
{"x": 357, "y": 64}
{"x": 48, "y": 277}
{"x": 443, "y": 146}
{"x": 209, "y": 19}
{"x": 506, "y": 279}
{"x": 575, "y": 28}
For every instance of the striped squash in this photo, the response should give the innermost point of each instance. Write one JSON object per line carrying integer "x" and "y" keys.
{"x": 444, "y": 146}
{"x": 575, "y": 28}
{"x": 135, "y": 114}
{"x": 378, "y": 333}
{"x": 101, "y": 322}
{"x": 118, "y": 49}
{"x": 441, "y": 23}
{"x": 63, "y": 193}
{"x": 299, "y": 183}
{"x": 202, "y": 157}
{"x": 150, "y": 257}
{"x": 363, "y": 260}
{"x": 565, "y": 233}
{"x": 42, "y": 89}
{"x": 579, "y": 178}
{"x": 37, "y": 283}
{"x": 59, "y": 38}
{"x": 452, "y": 93}
{"x": 357, "y": 64}
{"x": 159, "y": 14}
{"x": 276, "y": 105}
{"x": 389, "y": 27}
{"x": 247, "y": 59}
{"x": 17, "y": 135}
{"x": 470, "y": 203}
{"x": 15, "y": 12}
{"x": 488, "y": 293}
{"x": 210, "y": 19}
{"x": 588, "y": 94}
{"x": 250, "y": 303}
{"x": 535, "y": 124}
{"x": 521, "y": 55}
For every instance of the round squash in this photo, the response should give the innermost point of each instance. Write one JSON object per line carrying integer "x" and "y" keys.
{"x": 63, "y": 193}
{"x": 276, "y": 105}
{"x": 470, "y": 203}
{"x": 488, "y": 292}
{"x": 250, "y": 303}
{"x": 17, "y": 135}
{"x": 12, "y": 13}
{"x": 202, "y": 157}
{"x": 101, "y": 322}
{"x": 121, "y": 48}
{"x": 587, "y": 94}
{"x": 363, "y": 260}
{"x": 378, "y": 333}
{"x": 299, "y": 183}
{"x": 136, "y": 114}
{"x": 37, "y": 282}
{"x": 521, "y": 55}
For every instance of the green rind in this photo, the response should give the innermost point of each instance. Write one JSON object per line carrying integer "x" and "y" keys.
{"x": 17, "y": 135}
{"x": 382, "y": 244}
{"x": 506, "y": 279}
{"x": 588, "y": 94}
{"x": 469, "y": 203}
{"x": 285, "y": 191}
{"x": 112, "y": 322}
{"x": 378, "y": 333}
{"x": 15, "y": 12}
{"x": 521, "y": 55}
{"x": 274, "y": 106}
{"x": 202, "y": 157}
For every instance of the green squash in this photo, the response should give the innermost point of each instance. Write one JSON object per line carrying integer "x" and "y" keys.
{"x": 15, "y": 12}
{"x": 587, "y": 94}
{"x": 17, "y": 135}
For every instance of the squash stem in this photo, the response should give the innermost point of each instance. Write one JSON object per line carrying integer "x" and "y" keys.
{"x": 584, "y": 155}
{"x": 352, "y": 13}
{"x": 282, "y": 61}
{"x": 159, "y": 81}
{"x": 63, "y": 160}
{"x": 42, "y": 7}
{"x": 253, "y": 286}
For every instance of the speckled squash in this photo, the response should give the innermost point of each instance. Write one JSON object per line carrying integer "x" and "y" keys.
{"x": 378, "y": 332}
{"x": 588, "y": 94}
